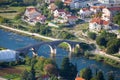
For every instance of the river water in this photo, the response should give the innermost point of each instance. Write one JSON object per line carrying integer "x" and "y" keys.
{"x": 14, "y": 41}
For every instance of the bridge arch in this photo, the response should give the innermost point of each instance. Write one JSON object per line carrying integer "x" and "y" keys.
{"x": 52, "y": 49}
{"x": 68, "y": 44}
{"x": 77, "y": 45}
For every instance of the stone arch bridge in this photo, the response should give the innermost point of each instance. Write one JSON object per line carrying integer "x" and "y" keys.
{"x": 52, "y": 45}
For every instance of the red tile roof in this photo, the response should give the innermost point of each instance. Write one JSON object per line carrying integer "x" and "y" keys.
{"x": 98, "y": 7}
{"x": 79, "y": 78}
{"x": 99, "y": 21}
{"x": 62, "y": 10}
{"x": 114, "y": 9}
{"x": 72, "y": 17}
{"x": 67, "y": 1}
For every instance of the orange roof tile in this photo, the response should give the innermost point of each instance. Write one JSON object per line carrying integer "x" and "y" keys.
{"x": 79, "y": 78}
{"x": 99, "y": 21}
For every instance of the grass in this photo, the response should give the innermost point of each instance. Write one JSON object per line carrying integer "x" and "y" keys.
{"x": 10, "y": 12}
{"x": 64, "y": 45}
{"x": 117, "y": 55}
{"x": 82, "y": 26}
{"x": 13, "y": 72}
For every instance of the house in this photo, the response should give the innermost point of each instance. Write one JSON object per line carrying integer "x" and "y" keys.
{"x": 85, "y": 12}
{"x": 109, "y": 12}
{"x": 96, "y": 9}
{"x": 67, "y": 2}
{"x": 72, "y": 19}
{"x": 110, "y": 1}
{"x": 97, "y": 24}
{"x": 32, "y": 16}
{"x": 52, "y": 7}
{"x": 79, "y": 78}
{"x": 49, "y": 1}
{"x": 61, "y": 13}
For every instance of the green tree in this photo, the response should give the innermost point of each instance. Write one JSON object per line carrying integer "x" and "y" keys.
{"x": 68, "y": 70}
{"x": 86, "y": 73}
{"x": 112, "y": 49}
{"x": 3, "y": 20}
{"x": 50, "y": 69}
{"x": 92, "y": 35}
{"x": 53, "y": 78}
{"x": 59, "y": 3}
{"x": 116, "y": 19}
{"x": 27, "y": 60}
{"x": 111, "y": 77}
{"x": 33, "y": 61}
{"x": 24, "y": 75}
{"x": 32, "y": 73}
{"x": 101, "y": 41}
{"x": 93, "y": 78}
{"x": 100, "y": 76}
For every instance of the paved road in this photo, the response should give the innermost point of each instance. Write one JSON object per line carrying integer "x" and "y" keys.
{"x": 28, "y": 33}
{"x": 102, "y": 53}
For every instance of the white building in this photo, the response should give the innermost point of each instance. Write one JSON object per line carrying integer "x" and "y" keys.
{"x": 85, "y": 12}
{"x": 110, "y": 1}
{"x": 8, "y": 55}
{"x": 97, "y": 24}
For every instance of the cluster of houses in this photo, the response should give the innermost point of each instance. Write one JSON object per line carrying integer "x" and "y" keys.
{"x": 32, "y": 16}
{"x": 88, "y": 9}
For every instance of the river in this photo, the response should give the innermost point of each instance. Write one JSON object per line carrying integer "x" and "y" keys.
{"x": 14, "y": 41}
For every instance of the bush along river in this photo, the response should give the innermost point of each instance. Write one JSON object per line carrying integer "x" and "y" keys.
{"x": 14, "y": 41}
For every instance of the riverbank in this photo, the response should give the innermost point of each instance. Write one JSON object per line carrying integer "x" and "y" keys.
{"x": 26, "y": 33}
{"x": 101, "y": 58}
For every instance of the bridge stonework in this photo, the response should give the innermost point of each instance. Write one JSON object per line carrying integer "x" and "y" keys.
{"x": 52, "y": 45}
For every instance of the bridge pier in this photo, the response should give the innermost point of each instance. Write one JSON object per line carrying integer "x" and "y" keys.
{"x": 72, "y": 50}
{"x": 34, "y": 52}
{"x": 53, "y": 52}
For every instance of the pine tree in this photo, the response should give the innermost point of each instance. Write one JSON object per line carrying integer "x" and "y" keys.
{"x": 100, "y": 76}
{"x": 68, "y": 70}
{"x": 86, "y": 73}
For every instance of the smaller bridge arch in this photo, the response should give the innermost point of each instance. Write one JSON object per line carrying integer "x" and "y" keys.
{"x": 69, "y": 45}
{"x": 51, "y": 47}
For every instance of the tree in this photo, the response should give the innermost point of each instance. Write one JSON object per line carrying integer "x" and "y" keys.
{"x": 53, "y": 78}
{"x": 86, "y": 73}
{"x": 59, "y": 3}
{"x": 116, "y": 19}
{"x": 3, "y": 20}
{"x": 68, "y": 70}
{"x": 112, "y": 49}
{"x": 33, "y": 61}
{"x": 24, "y": 75}
{"x": 50, "y": 69}
{"x": 92, "y": 35}
{"x": 27, "y": 60}
{"x": 111, "y": 77}
{"x": 100, "y": 76}
{"x": 32, "y": 73}
{"x": 101, "y": 41}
